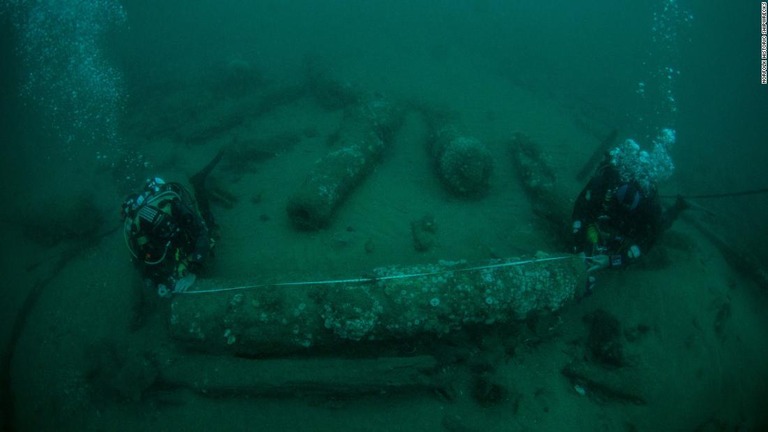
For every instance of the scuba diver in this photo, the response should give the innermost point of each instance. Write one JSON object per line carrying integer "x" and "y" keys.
{"x": 618, "y": 216}
{"x": 168, "y": 232}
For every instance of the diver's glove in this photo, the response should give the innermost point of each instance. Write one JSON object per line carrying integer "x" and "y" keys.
{"x": 180, "y": 286}
{"x": 576, "y": 226}
{"x": 597, "y": 262}
{"x": 183, "y": 284}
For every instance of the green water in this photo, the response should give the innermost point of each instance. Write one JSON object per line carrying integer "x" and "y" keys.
{"x": 97, "y": 96}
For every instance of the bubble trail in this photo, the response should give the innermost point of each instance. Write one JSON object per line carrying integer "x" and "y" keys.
{"x": 65, "y": 69}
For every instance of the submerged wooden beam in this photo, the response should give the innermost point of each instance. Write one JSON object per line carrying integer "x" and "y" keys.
{"x": 391, "y": 305}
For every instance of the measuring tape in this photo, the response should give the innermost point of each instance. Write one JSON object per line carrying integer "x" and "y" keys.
{"x": 377, "y": 279}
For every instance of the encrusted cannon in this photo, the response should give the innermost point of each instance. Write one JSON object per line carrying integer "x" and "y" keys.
{"x": 390, "y": 305}
{"x": 366, "y": 131}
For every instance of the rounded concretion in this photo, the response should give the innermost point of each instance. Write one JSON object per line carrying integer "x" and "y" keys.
{"x": 465, "y": 166}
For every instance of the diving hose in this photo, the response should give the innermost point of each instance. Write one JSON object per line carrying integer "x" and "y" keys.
{"x": 721, "y": 195}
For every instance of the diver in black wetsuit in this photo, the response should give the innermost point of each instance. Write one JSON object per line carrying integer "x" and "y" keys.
{"x": 168, "y": 233}
{"x": 616, "y": 221}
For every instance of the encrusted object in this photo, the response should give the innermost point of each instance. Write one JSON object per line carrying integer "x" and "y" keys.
{"x": 463, "y": 163}
{"x": 366, "y": 131}
{"x": 397, "y": 302}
